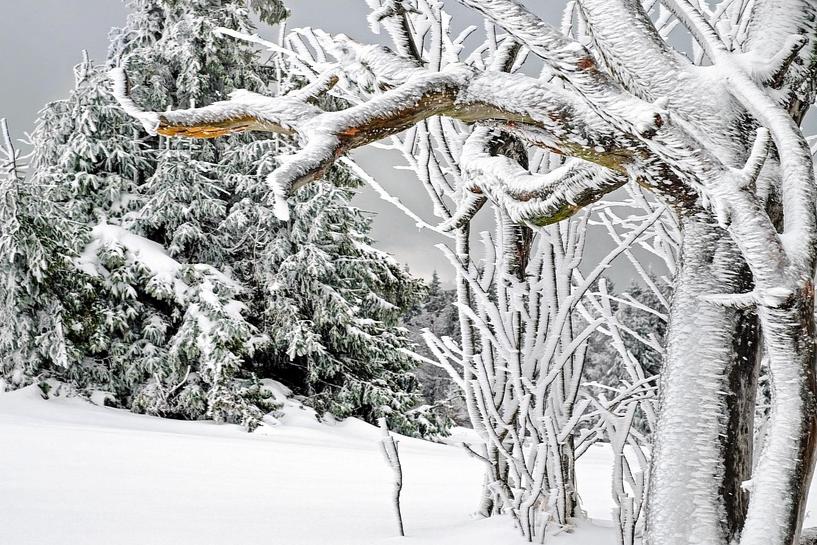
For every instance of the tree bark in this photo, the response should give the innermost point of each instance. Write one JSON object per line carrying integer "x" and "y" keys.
{"x": 703, "y": 442}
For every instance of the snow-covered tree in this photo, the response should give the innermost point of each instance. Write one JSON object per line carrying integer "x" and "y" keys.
{"x": 330, "y": 304}
{"x": 437, "y": 313}
{"x": 174, "y": 289}
{"x": 121, "y": 318}
{"x": 515, "y": 287}
{"x": 181, "y": 61}
{"x": 87, "y": 153}
{"x": 502, "y": 287}
{"x": 715, "y": 136}
{"x": 35, "y": 254}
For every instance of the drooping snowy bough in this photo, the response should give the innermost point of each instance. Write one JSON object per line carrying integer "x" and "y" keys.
{"x": 714, "y": 135}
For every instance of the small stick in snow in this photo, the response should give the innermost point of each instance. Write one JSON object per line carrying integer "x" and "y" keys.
{"x": 389, "y": 446}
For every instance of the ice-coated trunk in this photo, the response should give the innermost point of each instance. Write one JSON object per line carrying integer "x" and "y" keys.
{"x": 489, "y": 501}
{"x": 703, "y": 442}
{"x": 785, "y": 469}
{"x": 563, "y": 482}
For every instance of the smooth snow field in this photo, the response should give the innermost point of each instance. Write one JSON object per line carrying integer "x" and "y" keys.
{"x": 79, "y": 474}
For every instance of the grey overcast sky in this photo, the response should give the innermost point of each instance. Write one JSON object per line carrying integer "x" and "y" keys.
{"x": 41, "y": 40}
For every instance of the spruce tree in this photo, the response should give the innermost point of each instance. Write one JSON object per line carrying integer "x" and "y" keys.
{"x": 149, "y": 331}
{"x": 331, "y": 303}
{"x": 313, "y": 286}
{"x": 179, "y": 287}
{"x": 38, "y": 292}
{"x": 437, "y": 313}
{"x": 270, "y": 11}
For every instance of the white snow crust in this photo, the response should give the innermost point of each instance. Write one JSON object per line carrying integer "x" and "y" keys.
{"x": 77, "y": 473}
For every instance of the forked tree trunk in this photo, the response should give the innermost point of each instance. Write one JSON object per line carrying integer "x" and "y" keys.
{"x": 703, "y": 441}
{"x": 702, "y": 460}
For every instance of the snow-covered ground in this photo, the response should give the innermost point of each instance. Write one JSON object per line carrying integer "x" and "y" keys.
{"x": 79, "y": 474}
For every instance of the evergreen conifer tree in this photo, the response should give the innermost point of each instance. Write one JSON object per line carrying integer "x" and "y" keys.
{"x": 179, "y": 285}
{"x": 332, "y": 304}
{"x": 437, "y": 312}
{"x": 34, "y": 256}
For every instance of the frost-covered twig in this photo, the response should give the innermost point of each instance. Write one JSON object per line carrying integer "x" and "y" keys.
{"x": 9, "y": 153}
{"x": 392, "y": 456}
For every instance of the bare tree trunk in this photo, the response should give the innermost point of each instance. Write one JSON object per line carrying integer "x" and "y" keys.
{"x": 739, "y": 441}
{"x": 703, "y": 448}
{"x": 703, "y": 442}
{"x": 568, "y": 470}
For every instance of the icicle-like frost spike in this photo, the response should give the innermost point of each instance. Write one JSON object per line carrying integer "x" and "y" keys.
{"x": 7, "y": 153}
{"x": 388, "y": 8}
{"x": 742, "y": 300}
{"x": 722, "y": 212}
{"x": 777, "y": 297}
